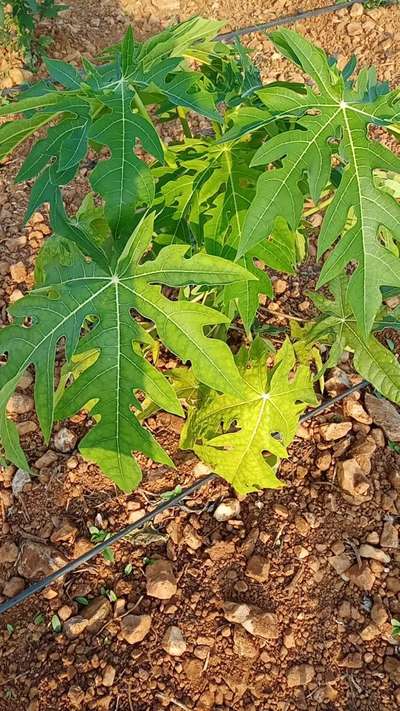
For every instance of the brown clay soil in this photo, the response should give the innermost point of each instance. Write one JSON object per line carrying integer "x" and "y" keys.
{"x": 328, "y": 644}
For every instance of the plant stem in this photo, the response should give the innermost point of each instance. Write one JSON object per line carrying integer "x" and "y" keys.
{"x": 184, "y": 122}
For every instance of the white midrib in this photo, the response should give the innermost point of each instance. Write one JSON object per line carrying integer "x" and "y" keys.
{"x": 118, "y": 367}
{"x": 360, "y": 201}
{"x": 251, "y": 440}
{"x": 122, "y": 154}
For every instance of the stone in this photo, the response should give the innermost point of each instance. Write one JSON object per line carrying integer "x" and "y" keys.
{"x": 280, "y": 286}
{"x": 66, "y": 532}
{"x": 134, "y": 628}
{"x": 230, "y": 508}
{"x": 65, "y": 440}
{"x": 13, "y": 586}
{"x": 335, "y": 430}
{"x": 244, "y": 644}
{"x": 392, "y": 669}
{"x": 324, "y": 461}
{"x": 362, "y": 452}
{"x": 354, "y": 29}
{"x": 8, "y": 552}
{"x": 389, "y": 536}
{"x": 173, "y": 642}
{"x": 258, "y": 568}
{"x": 20, "y": 479}
{"x": 356, "y": 10}
{"x": 385, "y": 415}
{"x": 354, "y": 409}
{"x": 351, "y": 477}
{"x": 25, "y": 380}
{"x": 300, "y": 675}
{"x": 136, "y": 515}
{"x": 96, "y": 613}
{"x": 160, "y": 580}
{"x": 37, "y": 560}
{"x": 193, "y": 669}
{"x": 369, "y": 633}
{"x": 64, "y": 612}
{"x": 262, "y": 624}
{"x": 302, "y": 525}
{"x": 351, "y": 661}
{"x": 338, "y": 381}
{"x": 379, "y": 614}
{"x": 361, "y": 576}
{"x": 367, "y": 551}
{"x": 340, "y": 563}
{"x": 76, "y": 695}
{"x": 20, "y": 404}
{"x": 46, "y": 460}
{"x": 74, "y": 626}
{"x": 108, "y": 675}
{"x": 18, "y": 272}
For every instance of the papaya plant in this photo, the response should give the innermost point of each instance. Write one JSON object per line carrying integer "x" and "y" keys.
{"x": 174, "y": 245}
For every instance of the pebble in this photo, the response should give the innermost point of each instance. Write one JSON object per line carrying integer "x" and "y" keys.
{"x": 354, "y": 29}
{"x": 8, "y": 552}
{"x": 76, "y": 695}
{"x": 385, "y": 415}
{"x": 356, "y": 10}
{"x": 324, "y": 461}
{"x": 253, "y": 619}
{"x": 46, "y": 460}
{"x": 335, "y": 430}
{"x": 65, "y": 440}
{"x": 37, "y": 560}
{"x": 392, "y": 668}
{"x": 230, "y": 508}
{"x": 20, "y": 479}
{"x": 74, "y": 626}
{"x": 361, "y": 576}
{"x": 108, "y": 675}
{"x": 340, "y": 562}
{"x": 368, "y": 551}
{"x": 280, "y": 286}
{"x": 96, "y": 613}
{"x": 354, "y": 409}
{"x": 18, "y": 272}
{"x": 66, "y": 532}
{"x": 258, "y": 568}
{"x": 300, "y": 675}
{"x": 243, "y": 644}
{"x": 160, "y": 580}
{"x": 379, "y": 614}
{"x": 136, "y": 515}
{"x": 64, "y": 612}
{"x": 20, "y": 404}
{"x": 173, "y": 642}
{"x": 351, "y": 661}
{"x": 389, "y": 536}
{"x": 351, "y": 477}
{"x": 13, "y": 586}
{"x": 134, "y": 628}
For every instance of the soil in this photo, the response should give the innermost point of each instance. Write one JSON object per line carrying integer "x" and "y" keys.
{"x": 332, "y": 646}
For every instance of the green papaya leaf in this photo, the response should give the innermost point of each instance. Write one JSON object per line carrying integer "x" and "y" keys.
{"x": 338, "y": 326}
{"x": 332, "y": 120}
{"x": 116, "y": 368}
{"x": 243, "y": 438}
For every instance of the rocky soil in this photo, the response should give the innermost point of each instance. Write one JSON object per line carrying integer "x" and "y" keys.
{"x": 278, "y": 602}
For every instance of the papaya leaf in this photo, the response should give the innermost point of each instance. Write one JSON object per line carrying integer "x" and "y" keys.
{"x": 111, "y": 347}
{"x": 243, "y": 438}
{"x": 333, "y": 119}
{"x": 338, "y": 327}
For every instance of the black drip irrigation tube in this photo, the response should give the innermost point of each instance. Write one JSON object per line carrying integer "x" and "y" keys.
{"x": 176, "y": 501}
{"x": 292, "y": 19}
